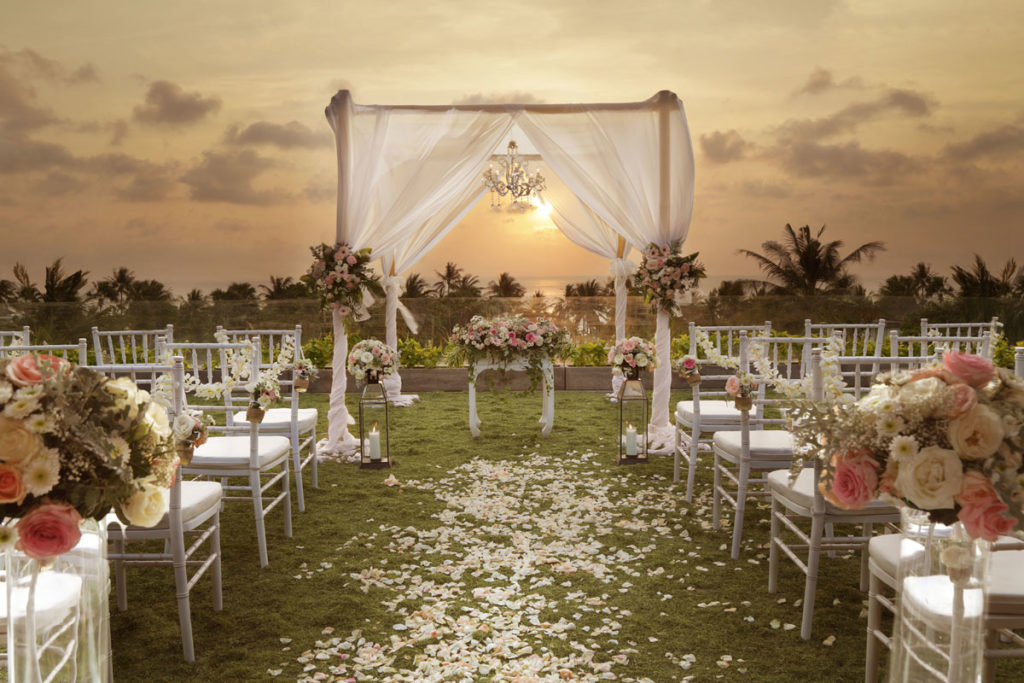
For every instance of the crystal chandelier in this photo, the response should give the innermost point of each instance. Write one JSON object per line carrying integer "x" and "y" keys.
{"x": 513, "y": 178}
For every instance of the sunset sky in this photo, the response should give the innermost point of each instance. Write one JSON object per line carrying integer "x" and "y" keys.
{"x": 187, "y": 140}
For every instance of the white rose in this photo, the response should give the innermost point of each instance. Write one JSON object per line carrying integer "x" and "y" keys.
{"x": 618, "y": 359}
{"x": 366, "y": 357}
{"x": 976, "y": 434}
{"x": 640, "y": 359}
{"x": 922, "y": 389}
{"x": 156, "y": 419}
{"x": 931, "y": 478}
{"x": 146, "y": 507}
{"x": 183, "y": 426}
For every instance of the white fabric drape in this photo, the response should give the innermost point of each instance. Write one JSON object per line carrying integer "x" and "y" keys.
{"x": 634, "y": 169}
{"x": 584, "y": 227}
{"x": 397, "y": 170}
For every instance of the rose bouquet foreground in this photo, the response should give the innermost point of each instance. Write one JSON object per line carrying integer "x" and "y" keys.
{"x": 371, "y": 356}
{"x": 945, "y": 439}
{"x": 631, "y": 355}
{"x": 75, "y": 444}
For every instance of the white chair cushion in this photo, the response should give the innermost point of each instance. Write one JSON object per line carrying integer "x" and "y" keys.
{"x": 57, "y": 594}
{"x": 710, "y": 411}
{"x": 197, "y": 499}
{"x": 802, "y": 493}
{"x": 280, "y": 419}
{"x": 232, "y": 452}
{"x": 766, "y": 444}
{"x": 1005, "y": 588}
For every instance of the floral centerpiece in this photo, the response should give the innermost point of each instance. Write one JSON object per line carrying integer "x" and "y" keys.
{"x": 741, "y": 387}
{"x": 687, "y": 367}
{"x": 944, "y": 439}
{"x": 507, "y": 339}
{"x": 371, "y": 359}
{"x": 665, "y": 276}
{"x": 632, "y": 355}
{"x": 341, "y": 277}
{"x": 73, "y": 445}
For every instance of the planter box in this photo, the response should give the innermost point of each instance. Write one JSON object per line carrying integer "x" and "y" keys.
{"x": 567, "y": 378}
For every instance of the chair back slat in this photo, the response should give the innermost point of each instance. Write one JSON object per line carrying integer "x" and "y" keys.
{"x": 968, "y": 329}
{"x": 926, "y": 345}
{"x": 859, "y": 339}
{"x": 272, "y": 343}
{"x": 128, "y": 347}
{"x": 20, "y": 337}
{"x": 725, "y": 339}
{"x": 73, "y": 353}
{"x": 774, "y": 360}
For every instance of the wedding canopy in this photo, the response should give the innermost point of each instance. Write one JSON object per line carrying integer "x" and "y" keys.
{"x": 407, "y": 174}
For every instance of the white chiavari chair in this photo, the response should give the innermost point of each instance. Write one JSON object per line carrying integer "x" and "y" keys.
{"x": 930, "y": 344}
{"x": 299, "y": 424}
{"x": 243, "y": 452}
{"x": 708, "y": 411}
{"x": 193, "y": 515}
{"x": 73, "y": 353}
{"x": 126, "y": 347}
{"x": 16, "y": 337}
{"x": 859, "y": 339}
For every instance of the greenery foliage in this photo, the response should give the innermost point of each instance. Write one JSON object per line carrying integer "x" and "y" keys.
{"x": 589, "y": 354}
{"x": 412, "y": 354}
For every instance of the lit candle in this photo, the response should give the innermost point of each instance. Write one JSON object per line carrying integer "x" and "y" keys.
{"x": 630, "y": 440}
{"x": 374, "y": 443}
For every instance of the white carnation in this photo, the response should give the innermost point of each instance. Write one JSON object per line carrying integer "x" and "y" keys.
{"x": 903, "y": 447}
{"x": 42, "y": 472}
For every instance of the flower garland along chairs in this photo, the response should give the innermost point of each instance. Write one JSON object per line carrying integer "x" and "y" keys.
{"x": 16, "y": 337}
{"x": 281, "y": 351}
{"x": 125, "y": 347}
{"x": 213, "y": 369}
{"x": 708, "y": 411}
{"x": 192, "y": 508}
{"x": 752, "y": 451}
{"x": 859, "y": 339}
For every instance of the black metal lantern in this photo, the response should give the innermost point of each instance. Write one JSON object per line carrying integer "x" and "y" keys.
{"x": 632, "y": 400}
{"x": 374, "y": 442}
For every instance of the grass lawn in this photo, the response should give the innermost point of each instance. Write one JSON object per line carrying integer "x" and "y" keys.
{"x": 498, "y": 556}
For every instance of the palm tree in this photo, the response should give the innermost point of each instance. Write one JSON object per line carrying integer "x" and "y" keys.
{"x": 588, "y": 288}
{"x": 7, "y": 291}
{"x": 60, "y": 287}
{"x": 149, "y": 290}
{"x": 922, "y": 284}
{"x": 236, "y": 291}
{"x": 415, "y": 287}
{"x": 450, "y": 278}
{"x": 805, "y": 265}
{"x": 505, "y": 286}
{"x": 980, "y": 283}
{"x": 467, "y": 288}
{"x": 284, "y": 288}
{"x": 26, "y": 289}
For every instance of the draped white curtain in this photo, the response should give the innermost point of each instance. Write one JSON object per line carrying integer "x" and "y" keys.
{"x": 584, "y": 227}
{"x": 634, "y": 169}
{"x": 397, "y": 171}
{"x": 404, "y": 173}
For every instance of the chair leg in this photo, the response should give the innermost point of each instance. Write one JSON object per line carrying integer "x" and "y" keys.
{"x": 691, "y": 473}
{"x": 300, "y": 495}
{"x": 288, "y": 497}
{"x": 773, "y": 548}
{"x": 314, "y": 460}
{"x": 811, "y": 586}
{"x": 677, "y": 455}
{"x": 257, "y": 509}
{"x": 215, "y": 573}
{"x": 830, "y": 531}
{"x": 741, "y": 505}
{"x": 864, "y": 571}
{"x": 181, "y": 590}
{"x": 716, "y": 498}
{"x": 874, "y": 623}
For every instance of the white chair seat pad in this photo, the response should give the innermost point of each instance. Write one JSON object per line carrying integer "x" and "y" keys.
{"x": 232, "y": 452}
{"x": 802, "y": 493}
{"x": 766, "y": 444}
{"x": 57, "y": 594}
{"x": 710, "y": 411}
{"x": 280, "y": 419}
{"x": 197, "y": 499}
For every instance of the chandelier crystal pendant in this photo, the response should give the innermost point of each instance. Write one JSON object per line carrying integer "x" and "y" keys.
{"x": 513, "y": 178}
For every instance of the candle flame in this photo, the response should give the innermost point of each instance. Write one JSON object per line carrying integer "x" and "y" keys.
{"x": 374, "y": 427}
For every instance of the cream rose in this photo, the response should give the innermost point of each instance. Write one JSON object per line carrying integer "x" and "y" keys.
{"x": 930, "y": 479}
{"x": 976, "y": 434}
{"x": 156, "y": 418}
{"x": 922, "y": 389}
{"x": 17, "y": 443}
{"x": 146, "y": 507}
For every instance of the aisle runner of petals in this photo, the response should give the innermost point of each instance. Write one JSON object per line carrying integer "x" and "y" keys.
{"x": 490, "y": 591}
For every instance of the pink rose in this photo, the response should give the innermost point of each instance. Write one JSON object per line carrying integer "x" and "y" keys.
{"x": 976, "y": 434}
{"x": 854, "y": 482}
{"x": 689, "y": 364}
{"x": 343, "y": 310}
{"x": 973, "y": 370}
{"x": 962, "y": 399}
{"x": 48, "y": 530}
{"x": 937, "y": 371}
{"x": 12, "y": 486}
{"x": 351, "y": 260}
{"x": 981, "y": 511}
{"x": 732, "y": 385}
{"x": 24, "y": 370}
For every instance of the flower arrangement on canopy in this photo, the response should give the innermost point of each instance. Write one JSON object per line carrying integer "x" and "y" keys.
{"x": 665, "y": 275}
{"x": 74, "y": 444}
{"x": 632, "y": 355}
{"x": 945, "y": 439}
{"x": 371, "y": 357}
{"x": 341, "y": 277}
{"x": 504, "y": 340}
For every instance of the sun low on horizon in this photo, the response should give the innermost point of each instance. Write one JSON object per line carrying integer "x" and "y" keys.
{"x": 189, "y": 144}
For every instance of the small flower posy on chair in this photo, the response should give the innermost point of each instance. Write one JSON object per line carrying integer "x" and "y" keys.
{"x": 73, "y": 445}
{"x": 687, "y": 367}
{"x": 741, "y": 387}
{"x": 944, "y": 439}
